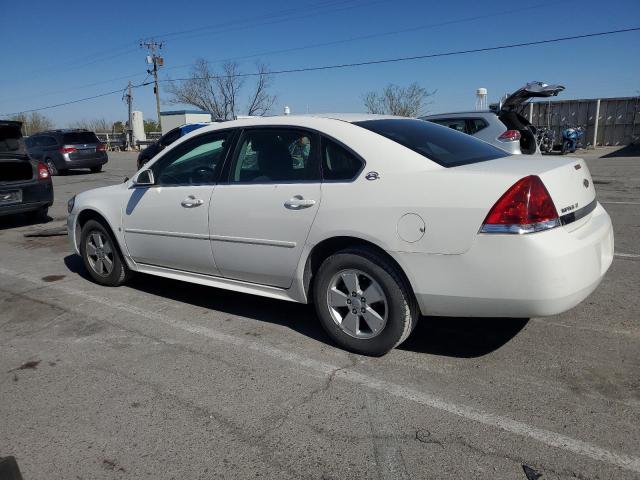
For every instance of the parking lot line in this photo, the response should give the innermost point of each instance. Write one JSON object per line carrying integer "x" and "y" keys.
{"x": 626, "y": 255}
{"x": 547, "y": 437}
{"x": 620, "y": 203}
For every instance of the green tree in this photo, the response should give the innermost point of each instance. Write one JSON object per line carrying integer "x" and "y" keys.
{"x": 151, "y": 126}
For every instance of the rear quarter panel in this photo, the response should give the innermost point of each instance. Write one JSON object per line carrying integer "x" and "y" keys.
{"x": 452, "y": 203}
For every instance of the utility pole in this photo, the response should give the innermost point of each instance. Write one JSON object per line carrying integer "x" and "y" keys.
{"x": 129, "y": 130}
{"x": 157, "y": 61}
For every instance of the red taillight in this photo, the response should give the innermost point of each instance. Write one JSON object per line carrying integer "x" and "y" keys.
{"x": 101, "y": 147}
{"x": 510, "y": 136}
{"x": 68, "y": 150}
{"x": 526, "y": 207}
{"x": 43, "y": 171}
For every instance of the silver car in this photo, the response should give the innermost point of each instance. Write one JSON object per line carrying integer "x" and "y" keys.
{"x": 502, "y": 126}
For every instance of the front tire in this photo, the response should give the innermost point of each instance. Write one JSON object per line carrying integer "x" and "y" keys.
{"x": 101, "y": 255}
{"x": 363, "y": 302}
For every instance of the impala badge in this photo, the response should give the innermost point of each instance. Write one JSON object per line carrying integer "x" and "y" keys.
{"x": 585, "y": 182}
{"x": 372, "y": 176}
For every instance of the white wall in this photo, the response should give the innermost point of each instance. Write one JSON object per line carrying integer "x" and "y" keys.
{"x": 172, "y": 121}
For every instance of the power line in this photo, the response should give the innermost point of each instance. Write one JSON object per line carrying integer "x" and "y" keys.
{"x": 380, "y": 34}
{"x": 310, "y": 46}
{"x": 416, "y": 57}
{"x": 359, "y": 64}
{"x": 326, "y": 5}
{"x": 237, "y": 24}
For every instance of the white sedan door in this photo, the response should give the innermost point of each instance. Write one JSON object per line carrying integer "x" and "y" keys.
{"x": 262, "y": 213}
{"x": 167, "y": 224}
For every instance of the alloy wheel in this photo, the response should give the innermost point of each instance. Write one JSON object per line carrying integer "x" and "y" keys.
{"x": 357, "y": 303}
{"x": 99, "y": 253}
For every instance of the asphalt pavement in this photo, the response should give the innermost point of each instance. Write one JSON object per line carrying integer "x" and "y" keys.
{"x": 160, "y": 379}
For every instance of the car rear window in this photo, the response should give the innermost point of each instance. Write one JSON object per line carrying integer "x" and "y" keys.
{"x": 444, "y": 146}
{"x": 80, "y": 137}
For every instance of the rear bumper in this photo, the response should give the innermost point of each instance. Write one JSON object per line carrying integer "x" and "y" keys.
{"x": 35, "y": 195}
{"x": 88, "y": 162}
{"x": 522, "y": 276}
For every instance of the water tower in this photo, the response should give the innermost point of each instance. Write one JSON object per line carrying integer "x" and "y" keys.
{"x": 481, "y": 99}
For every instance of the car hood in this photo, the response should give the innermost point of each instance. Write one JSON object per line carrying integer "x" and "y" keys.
{"x": 530, "y": 90}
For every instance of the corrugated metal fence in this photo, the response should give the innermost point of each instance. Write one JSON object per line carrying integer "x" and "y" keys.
{"x": 608, "y": 121}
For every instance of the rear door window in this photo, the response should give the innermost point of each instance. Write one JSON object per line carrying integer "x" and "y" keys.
{"x": 276, "y": 155}
{"x": 79, "y": 137}
{"x": 338, "y": 163}
{"x": 445, "y": 146}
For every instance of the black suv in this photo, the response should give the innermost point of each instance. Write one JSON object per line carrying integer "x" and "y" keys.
{"x": 62, "y": 150}
{"x": 25, "y": 184}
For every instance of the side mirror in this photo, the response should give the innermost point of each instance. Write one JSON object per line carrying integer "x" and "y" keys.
{"x": 144, "y": 178}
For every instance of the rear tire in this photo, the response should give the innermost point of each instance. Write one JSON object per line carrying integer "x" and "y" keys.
{"x": 372, "y": 326}
{"x": 101, "y": 255}
{"x": 96, "y": 169}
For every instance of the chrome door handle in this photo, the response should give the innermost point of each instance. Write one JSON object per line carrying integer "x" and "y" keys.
{"x": 298, "y": 203}
{"x": 191, "y": 202}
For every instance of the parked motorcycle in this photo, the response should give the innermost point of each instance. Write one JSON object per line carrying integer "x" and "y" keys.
{"x": 571, "y": 139}
{"x": 545, "y": 137}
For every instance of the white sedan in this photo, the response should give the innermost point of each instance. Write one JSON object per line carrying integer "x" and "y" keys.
{"x": 376, "y": 220}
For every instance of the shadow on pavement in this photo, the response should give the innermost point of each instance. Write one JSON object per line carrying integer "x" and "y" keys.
{"x": 462, "y": 337}
{"x": 21, "y": 220}
{"x": 453, "y": 337}
{"x": 631, "y": 150}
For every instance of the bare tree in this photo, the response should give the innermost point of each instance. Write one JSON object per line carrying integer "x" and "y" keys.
{"x": 395, "y": 100}
{"x": 219, "y": 93}
{"x": 261, "y": 102}
{"x": 33, "y": 122}
{"x": 93, "y": 124}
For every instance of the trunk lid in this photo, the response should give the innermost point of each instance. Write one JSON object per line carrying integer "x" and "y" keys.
{"x": 530, "y": 90}
{"x": 567, "y": 180}
{"x": 15, "y": 165}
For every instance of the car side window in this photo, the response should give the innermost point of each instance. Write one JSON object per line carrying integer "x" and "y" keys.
{"x": 195, "y": 162}
{"x": 275, "y": 155}
{"x": 458, "y": 124}
{"x": 338, "y": 163}
{"x": 474, "y": 125}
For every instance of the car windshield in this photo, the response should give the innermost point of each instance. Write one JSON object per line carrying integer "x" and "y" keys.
{"x": 80, "y": 137}
{"x": 444, "y": 146}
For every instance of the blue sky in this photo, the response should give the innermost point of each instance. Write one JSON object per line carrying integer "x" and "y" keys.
{"x": 54, "y": 51}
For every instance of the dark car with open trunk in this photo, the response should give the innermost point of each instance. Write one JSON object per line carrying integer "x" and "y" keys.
{"x": 25, "y": 183}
